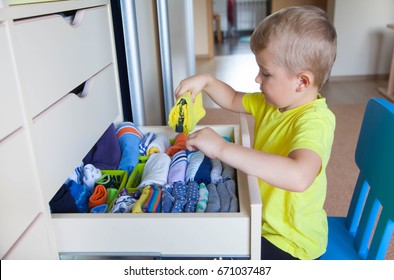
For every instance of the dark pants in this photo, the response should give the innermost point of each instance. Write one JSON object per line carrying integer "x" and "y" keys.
{"x": 270, "y": 252}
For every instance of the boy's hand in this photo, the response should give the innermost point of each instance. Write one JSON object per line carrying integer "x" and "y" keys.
{"x": 193, "y": 84}
{"x": 206, "y": 140}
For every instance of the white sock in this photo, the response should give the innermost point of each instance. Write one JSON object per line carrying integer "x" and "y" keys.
{"x": 90, "y": 175}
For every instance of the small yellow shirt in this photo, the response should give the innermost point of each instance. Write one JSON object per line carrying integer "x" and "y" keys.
{"x": 294, "y": 221}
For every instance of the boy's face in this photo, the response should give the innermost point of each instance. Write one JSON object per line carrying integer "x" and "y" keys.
{"x": 279, "y": 89}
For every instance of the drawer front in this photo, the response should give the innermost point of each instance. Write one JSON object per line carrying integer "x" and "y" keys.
{"x": 57, "y": 56}
{"x": 158, "y": 234}
{"x": 65, "y": 132}
{"x": 10, "y": 108}
{"x": 161, "y": 234}
{"x": 19, "y": 191}
{"x": 33, "y": 244}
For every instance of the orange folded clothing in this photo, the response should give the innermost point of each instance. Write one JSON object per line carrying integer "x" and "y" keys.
{"x": 98, "y": 197}
{"x": 179, "y": 144}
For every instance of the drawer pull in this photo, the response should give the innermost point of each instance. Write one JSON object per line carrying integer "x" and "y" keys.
{"x": 83, "y": 89}
{"x": 74, "y": 17}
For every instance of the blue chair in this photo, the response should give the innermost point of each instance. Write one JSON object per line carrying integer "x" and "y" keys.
{"x": 366, "y": 231}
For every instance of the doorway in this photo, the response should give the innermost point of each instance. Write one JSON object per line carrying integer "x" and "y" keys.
{"x": 238, "y": 18}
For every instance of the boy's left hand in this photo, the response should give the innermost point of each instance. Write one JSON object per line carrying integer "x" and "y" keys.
{"x": 207, "y": 141}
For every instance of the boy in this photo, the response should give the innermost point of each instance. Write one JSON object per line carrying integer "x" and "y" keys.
{"x": 295, "y": 49}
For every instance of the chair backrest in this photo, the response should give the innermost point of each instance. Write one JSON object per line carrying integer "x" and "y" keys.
{"x": 371, "y": 213}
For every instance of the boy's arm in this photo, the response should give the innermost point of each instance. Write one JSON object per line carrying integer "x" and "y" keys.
{"x": 221, "y": 93}
{"x": 295, "y": 172}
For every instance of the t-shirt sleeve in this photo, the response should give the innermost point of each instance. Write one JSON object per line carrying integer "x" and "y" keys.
{"x": 253, "y": 102}
{"x": 315, "y": 133}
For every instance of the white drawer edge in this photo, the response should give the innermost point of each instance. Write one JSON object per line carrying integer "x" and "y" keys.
{"x": 254, "y": 197}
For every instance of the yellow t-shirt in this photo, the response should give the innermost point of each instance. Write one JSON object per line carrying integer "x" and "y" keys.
{"x": 293, "y": 221}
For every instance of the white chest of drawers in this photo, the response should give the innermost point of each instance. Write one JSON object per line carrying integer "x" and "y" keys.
{"x": 59, "y": 92}
{"x": 47, "y": 50}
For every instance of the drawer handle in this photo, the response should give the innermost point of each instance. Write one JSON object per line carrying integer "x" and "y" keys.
{"x": 74, "y": 17}
{"x": 83, "y": 89}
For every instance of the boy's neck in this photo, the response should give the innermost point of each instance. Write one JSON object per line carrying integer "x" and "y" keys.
{"x": 307, "y": 97}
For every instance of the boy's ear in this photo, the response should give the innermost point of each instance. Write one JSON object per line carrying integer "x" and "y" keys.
{"x": 304, "y": 80}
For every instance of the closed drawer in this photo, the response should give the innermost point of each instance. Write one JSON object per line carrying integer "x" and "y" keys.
{"x": 56, "y": 56}
{"x": 65, "y": 132}
{"x": 33, "y": 244}
{"x": 10, "y": 108}
{"x": 165, "y": 234}
{"x": 19, "y": 191}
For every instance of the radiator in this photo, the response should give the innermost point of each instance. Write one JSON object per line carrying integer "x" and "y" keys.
{"x": 248, "y": 13}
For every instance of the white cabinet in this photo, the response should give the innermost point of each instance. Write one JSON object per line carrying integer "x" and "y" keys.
{"x": 59, "y": 92}
{"x": 10, "y": 107}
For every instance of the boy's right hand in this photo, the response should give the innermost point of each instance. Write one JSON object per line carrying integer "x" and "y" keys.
{"x": 193, "y": 84}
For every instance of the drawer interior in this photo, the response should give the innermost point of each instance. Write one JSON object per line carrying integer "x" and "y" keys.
{"x": 161, "y": 234}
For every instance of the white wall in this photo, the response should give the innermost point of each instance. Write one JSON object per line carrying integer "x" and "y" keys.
{"x": 365, "y": 44}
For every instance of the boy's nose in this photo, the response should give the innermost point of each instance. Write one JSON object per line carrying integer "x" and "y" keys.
{"x": 258, "y": 79}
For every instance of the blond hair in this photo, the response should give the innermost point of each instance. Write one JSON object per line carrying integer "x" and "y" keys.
{"x": 300, "y": 39}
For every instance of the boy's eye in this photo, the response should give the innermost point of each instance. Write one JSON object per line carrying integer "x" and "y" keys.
{"x": 266, "y": 74}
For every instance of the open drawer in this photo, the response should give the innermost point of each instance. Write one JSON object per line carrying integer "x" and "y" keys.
{"x": 169, "y": 235}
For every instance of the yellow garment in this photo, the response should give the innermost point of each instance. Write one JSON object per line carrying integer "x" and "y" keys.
{"x": 185, "y": 114}
{"x": 295, "y": 222}
{"x": 137, "y": 207}
{"x": 153, "y": 150}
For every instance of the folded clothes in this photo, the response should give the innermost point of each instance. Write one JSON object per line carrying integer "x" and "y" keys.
{"x": 167, "y": 200}
{"x": 213, "y": 204}
{"x": 177, "y": 169}
{"x": 153, "y": 202}
{"x": 155, "y": 170}
{"x": 90, "y": 175}
{"x": 143, "y": 146}
{"x": 123, "y": 204}
{"x": 106, "y": 153}
{"x": 231, "y": 188}
{"x": 224, "y": 197}
{"x": 179, "y": 144}
{"x": 63, "y": 201}
{"x": 81, "y": 196}
{"x": 179, "y": 194}
{"x": 129, "y": 137}
{"x": 76, "y": 175}
{"x": 98, "y": 197}
{"x": 203, "y": 174}
{"x": 194, "y": 160}
{"x": 228, "y": 172}
{"x": 202, "y": 198}
{"x": 111, "y": 194}
{"x": 109, "y": 181}
{"x": 137, "y": 207}
{"x": 159, "y": 145}
{"x": 102, "y": 208}
{"x": 191, "y": 197}
{"x": 216, "y": 171}
{"x": 125, "y": 201}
